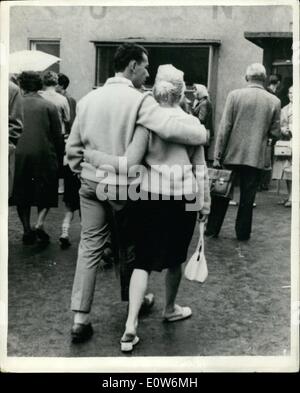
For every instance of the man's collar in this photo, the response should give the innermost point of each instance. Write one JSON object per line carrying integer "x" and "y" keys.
{"x": 119, "y": 79}
{"x": 256, "y": 85}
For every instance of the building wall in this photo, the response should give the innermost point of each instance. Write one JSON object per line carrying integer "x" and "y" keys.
{"x": 78, "y": 25}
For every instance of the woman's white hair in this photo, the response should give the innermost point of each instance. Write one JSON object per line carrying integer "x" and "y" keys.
{"x": 169, "y": 85}
{"x": 256, "y": 71}
{"x": 201, "y": 91}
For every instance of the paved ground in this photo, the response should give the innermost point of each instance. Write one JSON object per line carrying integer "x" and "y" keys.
{"x": 242, "y": 309}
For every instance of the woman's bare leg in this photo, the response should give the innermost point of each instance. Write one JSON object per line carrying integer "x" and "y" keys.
{"x": 42, "y": 214}
{"x": 137, "y": 289}
{"x": 172, "y": 281}
{"x": 64, "y": 237}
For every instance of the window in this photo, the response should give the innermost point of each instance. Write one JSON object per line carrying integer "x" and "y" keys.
{"x": 51, "y": 47}
{"x": 194, "y": 59}
{"x": 282, "y": 61}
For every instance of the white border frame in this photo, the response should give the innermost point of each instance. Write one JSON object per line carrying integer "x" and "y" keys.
{"x": 150, "y": 364}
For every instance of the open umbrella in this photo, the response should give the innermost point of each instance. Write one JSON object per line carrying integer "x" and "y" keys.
{"x": 30, "y": 60}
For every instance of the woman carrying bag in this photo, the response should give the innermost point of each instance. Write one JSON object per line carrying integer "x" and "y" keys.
{"x": 163, "y": 226}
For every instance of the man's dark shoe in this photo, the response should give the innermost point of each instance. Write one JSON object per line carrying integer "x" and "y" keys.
{"x": 64, "y": 242}
{"x": 81, "y": 333}
{"x": 29, "y": 238}
{"x": 42, "y": 235}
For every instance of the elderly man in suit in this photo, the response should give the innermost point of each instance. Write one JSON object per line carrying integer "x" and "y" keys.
{"x": 251, "y": 116}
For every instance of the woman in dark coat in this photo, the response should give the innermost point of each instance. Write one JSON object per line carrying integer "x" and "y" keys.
{"x": 37, "y": 158}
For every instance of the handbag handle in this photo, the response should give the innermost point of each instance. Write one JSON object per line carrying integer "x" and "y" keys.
{"x": 201, "y": 236}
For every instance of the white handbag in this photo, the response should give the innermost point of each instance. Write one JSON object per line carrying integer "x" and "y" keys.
{"x": 283, "y": 149}
{"x": 196, "y": 267}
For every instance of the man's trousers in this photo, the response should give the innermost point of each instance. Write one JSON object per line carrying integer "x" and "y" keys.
{"x": 100, "y": 223}
{"x": 249, "y": 179}
{"x": 95, "y": 233}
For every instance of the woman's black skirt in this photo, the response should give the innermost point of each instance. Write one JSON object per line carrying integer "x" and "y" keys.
{"x": 163, "y": 231}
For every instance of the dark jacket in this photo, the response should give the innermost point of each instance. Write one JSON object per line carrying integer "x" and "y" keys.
{"x": 15, "y": 114}
{"x": 203, "y": 110}
{"x": 15, "y": 128}
{"x": 72, "y": 105}
{"x": 40, "y": 144}
{"x": 38, "y": 153}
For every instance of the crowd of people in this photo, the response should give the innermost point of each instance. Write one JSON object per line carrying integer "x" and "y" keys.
{"x": 46, "y": 113}
{"x": 122, "y": 140}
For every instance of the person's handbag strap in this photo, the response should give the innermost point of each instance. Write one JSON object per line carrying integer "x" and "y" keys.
{"x": 201, "y": 236}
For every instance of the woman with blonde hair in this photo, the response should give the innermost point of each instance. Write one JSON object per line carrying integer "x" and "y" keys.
{"x": 162, "y": 222}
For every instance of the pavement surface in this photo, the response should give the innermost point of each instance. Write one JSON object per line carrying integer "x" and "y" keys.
{"x": 243, "y": 308}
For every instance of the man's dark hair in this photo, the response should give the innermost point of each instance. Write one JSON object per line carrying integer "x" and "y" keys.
{"x": 127, "y": 52}
{"x": 273, "y": 79}
{"x": 63, "y": 81}
{"x": 30, "y": 81}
